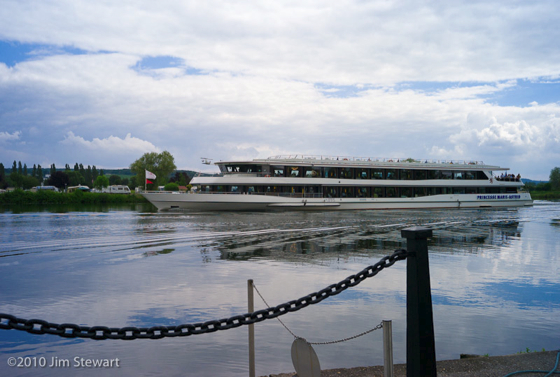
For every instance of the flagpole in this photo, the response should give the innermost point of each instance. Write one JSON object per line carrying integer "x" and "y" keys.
{"x": 145, "y": 181}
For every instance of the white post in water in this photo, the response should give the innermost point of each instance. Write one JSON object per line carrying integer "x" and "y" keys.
{"x": 387, "y": 348}
{"x": 251, "y": 329}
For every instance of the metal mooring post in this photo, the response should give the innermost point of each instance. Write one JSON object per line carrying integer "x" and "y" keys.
{"x": 387, "y": 348}
{"x": 420, "y": 344}
{"x": 251, "y": 329}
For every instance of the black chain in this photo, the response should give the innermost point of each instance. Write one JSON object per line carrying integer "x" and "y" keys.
{"x": 69, "y": 330}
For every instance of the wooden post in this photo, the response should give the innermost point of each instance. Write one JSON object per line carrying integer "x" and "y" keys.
{"x": 420, "y": 343}
{"x": 251, "y": 329}
{"x": 387, "y": 348}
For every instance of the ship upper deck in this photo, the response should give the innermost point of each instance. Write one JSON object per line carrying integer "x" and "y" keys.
{"x": 347, "y": 161}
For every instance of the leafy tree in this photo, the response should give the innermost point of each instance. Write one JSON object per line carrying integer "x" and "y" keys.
{"x": 100, "y": 182}
{"x": 20, "y": 168}
{"x": 53, "y": 169}
{"x": 34, "y": 171}
{"x": 161, "y": 164}
{"x": 554, "y": 178}
{"x": 28, "y": 182}
{"x": 16, "y": 178}
{"x": 3, "y": 178}
{"x": 76, "y": 167}
{"x": 75, "y": 178}
{"x": 59, "y": 179}
{"x": 94, "y": 173}
{"x": 171, "y": 187}
{"x": 24, "y": 169}
{"x": 39, "y": 173}
{"x": 181, "y": 178}
{"x": 89, "y": 176}
{"x": 115, "y": 179}
{"x": 14, "y": 167}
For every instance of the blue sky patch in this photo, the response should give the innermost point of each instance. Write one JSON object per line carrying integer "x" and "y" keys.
{"x": 341, "y": 91}
{"x": 525, "y": 92}
{"x": 12, "y": 53}
{"x": 160, "y": 62}
{"x": 521, "y": 95}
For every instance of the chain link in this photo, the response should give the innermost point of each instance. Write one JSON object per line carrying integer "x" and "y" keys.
{"x": 318, "y": 343}
{"x": 352, "y": 337}
{"x": 69, "y": 330}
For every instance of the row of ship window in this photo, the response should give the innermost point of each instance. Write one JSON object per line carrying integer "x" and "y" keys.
{"x": 352, "y": 173}
{"x": 354, "y": 192}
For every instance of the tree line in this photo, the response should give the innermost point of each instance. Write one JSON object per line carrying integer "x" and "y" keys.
{"x": 161, "y": 164}
{"x": 20, "y": 176}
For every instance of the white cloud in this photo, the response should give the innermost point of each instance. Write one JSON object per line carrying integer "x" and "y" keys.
{"x": 340, "y": 42}
{"x": 6, "y": 136}
{"x": 112, "y": 144}
{"x": 275, "y": 78}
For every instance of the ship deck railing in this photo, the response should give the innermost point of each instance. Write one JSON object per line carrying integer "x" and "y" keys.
{"x": 300, "y": 157}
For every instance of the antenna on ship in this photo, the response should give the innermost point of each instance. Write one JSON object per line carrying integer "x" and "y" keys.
{"x": 206, "y": 161}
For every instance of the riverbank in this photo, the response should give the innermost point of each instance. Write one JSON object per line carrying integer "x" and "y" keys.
{"x": 20, "y": 197}
{"x": 493, "y": 366}
{"x": 545, "y": 195}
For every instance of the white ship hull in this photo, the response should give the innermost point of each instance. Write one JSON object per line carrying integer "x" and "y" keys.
{"x": 240, "y": 202}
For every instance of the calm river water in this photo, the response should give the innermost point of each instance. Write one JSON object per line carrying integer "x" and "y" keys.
{"x": 495, "y": 278}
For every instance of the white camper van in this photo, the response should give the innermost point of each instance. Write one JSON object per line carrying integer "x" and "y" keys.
{"x": 116, "y": 189}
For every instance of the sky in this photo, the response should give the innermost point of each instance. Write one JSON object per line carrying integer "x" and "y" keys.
{"x": 103, "y": 82}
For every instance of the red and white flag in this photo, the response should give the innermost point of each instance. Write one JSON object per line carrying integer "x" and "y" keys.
{"x": 150, "y": 175}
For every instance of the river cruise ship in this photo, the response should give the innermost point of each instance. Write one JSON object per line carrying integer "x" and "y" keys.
{"x": 304, "y": 182}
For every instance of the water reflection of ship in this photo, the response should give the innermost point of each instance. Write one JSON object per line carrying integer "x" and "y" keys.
{"x": 477, "y": 236}
{"x": 157, "y": 252}
{"x": 471, "y": 237}
{"x": 312, "y": 249}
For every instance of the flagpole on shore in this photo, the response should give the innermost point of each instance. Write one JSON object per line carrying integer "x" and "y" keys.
{"x": 150, "y": 175}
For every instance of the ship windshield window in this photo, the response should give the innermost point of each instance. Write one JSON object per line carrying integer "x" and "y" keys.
{"x": 392, "y": 174}
{"x": 362, "y": 174}
{"x": 362, "y": 192}
{"x": 278, "y": 171}
{"x": 406, "y": 174}
{"x": 312, "y": 172}
{"x": 420, "y": 191}
{"x": 294, "y": 171}
{"x": 458, "y": 175}
{"x": 446, "y": 174}
{"x": 392, "y": 192}
{"x": 347, "y": 192}
{"x": 420, "y": 174}
{"x": 378, "y": 192}
{"x": 469, "y": 175}
{"x": 345, "y": 173}
{"x": 330, "y": 173}
{"x": 406, "y": 192}
{"x": 376, "y": 173}
{"x": 331, "y": 192}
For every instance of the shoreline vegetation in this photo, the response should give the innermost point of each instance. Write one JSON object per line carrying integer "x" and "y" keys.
{"x": 19, "y": 197}
{"x": 544, "y": 195}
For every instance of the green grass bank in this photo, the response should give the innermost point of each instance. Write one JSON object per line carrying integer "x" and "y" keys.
{"x": 20, "y": 197}
{"x": 544, "y": 195}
